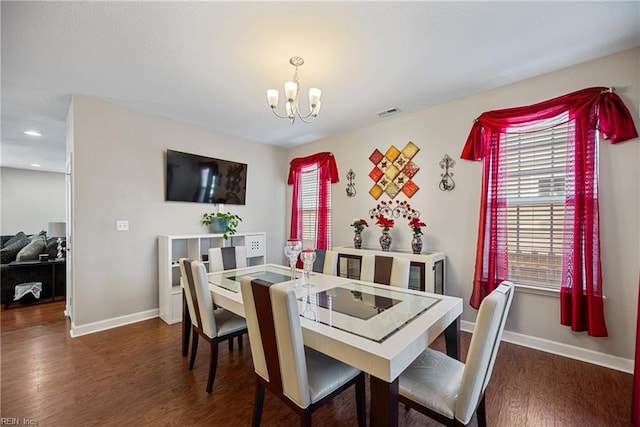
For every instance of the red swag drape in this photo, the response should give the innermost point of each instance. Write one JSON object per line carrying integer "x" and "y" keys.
{"x": 328, "y": 173}
{"x": 587, "y": 110}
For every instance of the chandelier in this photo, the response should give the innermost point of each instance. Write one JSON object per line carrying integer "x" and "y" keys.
{"x": 291, "y": 91}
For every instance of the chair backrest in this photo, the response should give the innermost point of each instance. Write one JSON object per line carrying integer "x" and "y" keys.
{"x": 483, "y": 349}
{"x": 227, "y": 258}
{"x": 385, "y": 270}
{"x": 189, "y": 296}
{"x": 326, "y": 262}
{"x": 273, "y": 318}
{"x": 204, "y": 305}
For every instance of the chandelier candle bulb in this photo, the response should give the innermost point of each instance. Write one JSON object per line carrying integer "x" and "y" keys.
{"x": 291, "y": 90}
{"x": 272, "y": 97}
{"x": 314, "y": 96}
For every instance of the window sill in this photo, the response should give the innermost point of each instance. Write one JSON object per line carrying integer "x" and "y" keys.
{"x": 538, "y": 290}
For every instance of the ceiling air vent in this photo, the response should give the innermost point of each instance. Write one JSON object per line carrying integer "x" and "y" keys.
{"x": 388, "y": 112}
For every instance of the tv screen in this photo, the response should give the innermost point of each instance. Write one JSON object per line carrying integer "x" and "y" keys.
{"x": 193, "y": 178}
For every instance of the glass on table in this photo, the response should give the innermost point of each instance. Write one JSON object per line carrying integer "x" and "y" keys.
{"x": 310, "y": 308}
{"x": 291, "y": 250}
{"x": 307, "y": 256}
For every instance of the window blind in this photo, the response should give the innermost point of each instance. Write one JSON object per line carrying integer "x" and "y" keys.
{"x": 535, "y": 190}
{"x": 310, "y": 192}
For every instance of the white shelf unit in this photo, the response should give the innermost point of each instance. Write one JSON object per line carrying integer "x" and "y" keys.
{"x": 173, "y": 247}
{"x": 428, "y": 269}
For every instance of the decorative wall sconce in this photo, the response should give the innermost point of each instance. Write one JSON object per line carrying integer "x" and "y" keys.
{"x": 351, "y": 186}
{"x": 447, "y": 183}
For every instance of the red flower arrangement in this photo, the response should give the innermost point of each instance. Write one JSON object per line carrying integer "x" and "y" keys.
{"x": 384, "y": 222}
{"x": 415, "y": 225}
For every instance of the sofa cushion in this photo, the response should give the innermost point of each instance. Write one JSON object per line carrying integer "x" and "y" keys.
{"x": 19, "y": 235}
{"x": 35, "y": 236}
{"x": 9, "y": 252}
{"x": 32, "y": 250}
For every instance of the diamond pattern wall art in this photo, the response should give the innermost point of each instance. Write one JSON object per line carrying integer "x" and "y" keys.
{"x": 393, "y": 171}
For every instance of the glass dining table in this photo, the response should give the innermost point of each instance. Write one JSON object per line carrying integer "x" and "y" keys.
{"x": 376, "y": 328}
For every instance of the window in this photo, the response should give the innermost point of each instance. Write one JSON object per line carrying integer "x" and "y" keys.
{"x": 522, "y": 183}
{"x": 311, "y": 178}
{"x": 535, "y": 166}
{"x": 310, "y": 197}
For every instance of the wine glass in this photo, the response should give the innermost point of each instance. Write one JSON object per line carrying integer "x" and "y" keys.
{"x": 291, "y": 251}
{"x": 308, "y": 256}
{"x": 309, "y": 311}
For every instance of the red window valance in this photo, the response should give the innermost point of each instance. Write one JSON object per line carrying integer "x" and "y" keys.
{"x": 604, "y": 109}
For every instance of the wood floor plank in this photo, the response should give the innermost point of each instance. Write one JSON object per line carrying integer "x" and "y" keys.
{"x": 136, "y": 375}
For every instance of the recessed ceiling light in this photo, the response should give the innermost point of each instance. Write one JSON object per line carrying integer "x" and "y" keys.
{"x": 33, "y": 132}
{"x": 35, "y": 165}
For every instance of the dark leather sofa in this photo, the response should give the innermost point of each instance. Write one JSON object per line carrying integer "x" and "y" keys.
{"x": 51, "y": 273}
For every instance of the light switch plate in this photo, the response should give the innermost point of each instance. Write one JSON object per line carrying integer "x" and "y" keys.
{"x": 122, "y": 225}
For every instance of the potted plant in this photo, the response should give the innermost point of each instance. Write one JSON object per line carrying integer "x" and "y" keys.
{"x": 358, "y": 225}
{"x": 220, "y": 222}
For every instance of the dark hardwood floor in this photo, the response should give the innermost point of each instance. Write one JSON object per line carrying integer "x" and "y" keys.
{"x": 135, "y": 376}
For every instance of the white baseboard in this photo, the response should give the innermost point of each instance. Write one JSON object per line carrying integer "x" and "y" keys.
{"x": 561, "y": 349}
{"x": 103, "y": 325}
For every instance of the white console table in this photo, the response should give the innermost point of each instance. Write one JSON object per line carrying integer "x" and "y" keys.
{"x": 196, "y": 247}
{"x": 428, "y": 269}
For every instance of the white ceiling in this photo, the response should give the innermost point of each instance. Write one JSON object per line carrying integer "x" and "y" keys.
{"x": 209, "y": 63}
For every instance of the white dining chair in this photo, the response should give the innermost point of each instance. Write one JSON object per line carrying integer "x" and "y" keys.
{"x": 227, "y": 258}
{"x": 326, "y": 262}
{"x": 301, "y": 377}
{"x": 385, "y": 270}
{"x": 448, "y": 390}
{"x": 213, "y": 325}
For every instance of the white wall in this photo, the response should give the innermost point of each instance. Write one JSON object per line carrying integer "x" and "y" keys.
{"x": 452, "y": 217}
{"x": 31, "y": 199}
{"x": 119, "y": 170}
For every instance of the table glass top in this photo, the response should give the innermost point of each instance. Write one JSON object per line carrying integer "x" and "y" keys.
{"x": 230, "y": 280}
{"x": 362, "y": 309}
{"x": 371, "y": 312}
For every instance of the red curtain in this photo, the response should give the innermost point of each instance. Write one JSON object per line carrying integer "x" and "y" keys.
{"x": 328, "y": 173}
{"x": 587, "y": 110}
{"x": 635, "y": 399}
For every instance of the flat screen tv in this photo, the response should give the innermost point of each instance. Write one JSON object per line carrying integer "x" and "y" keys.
{"x": 193, "y": 178}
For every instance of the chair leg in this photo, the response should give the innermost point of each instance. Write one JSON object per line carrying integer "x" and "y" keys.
{"x": 213, "y": 364}
{"x": 230, "y": 344}
{"x": 257, "y": 409}
{"x": 361, "y": 399}
{"x": 186, "y": 326}
{"x": 194, "y": 349}
{"x": 481, "y": 414}
{"x": 305, "y": 418}
{"x": 240, "y": 341}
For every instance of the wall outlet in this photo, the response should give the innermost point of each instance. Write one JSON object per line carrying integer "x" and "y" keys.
{"x": 122, "y": 225}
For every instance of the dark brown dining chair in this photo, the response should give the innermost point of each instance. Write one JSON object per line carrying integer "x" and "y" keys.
{"x": 213, "y": 325}
{"x": 301, "y": 377}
